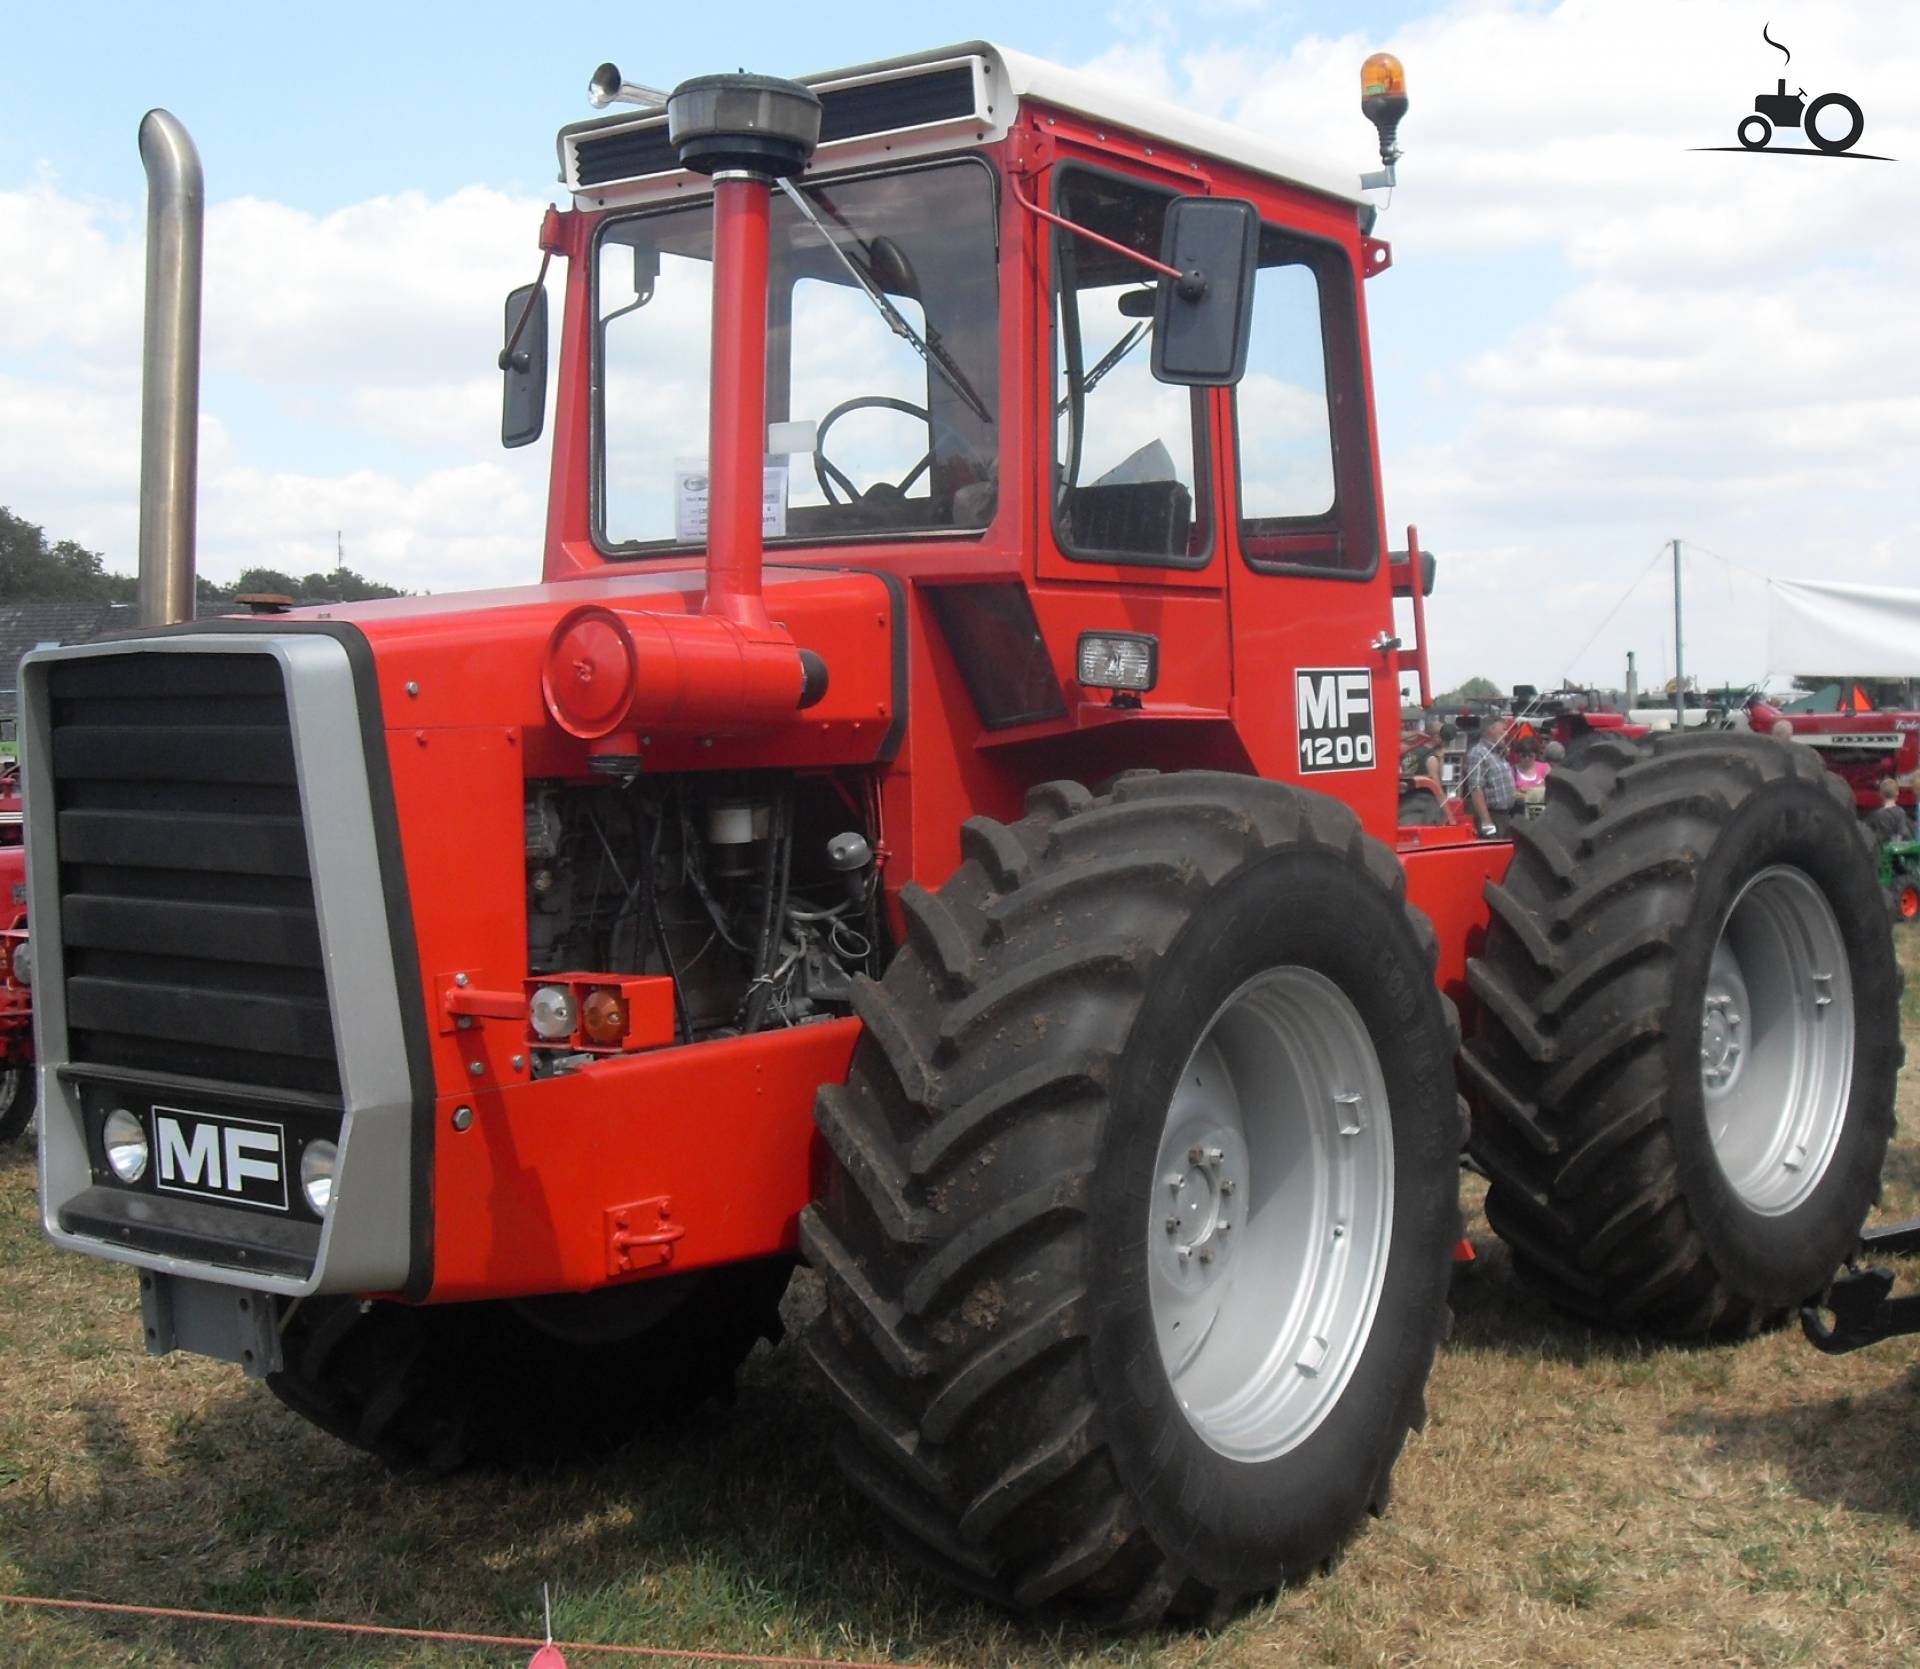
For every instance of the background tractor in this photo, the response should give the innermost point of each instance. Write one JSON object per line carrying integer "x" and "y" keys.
{"x": 946, "y": 830}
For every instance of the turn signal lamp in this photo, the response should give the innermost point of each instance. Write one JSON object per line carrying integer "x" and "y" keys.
{"x": 1118, "y": 661}
{"x": 603, "y": 1017}
{"x": 1383, "y": 101}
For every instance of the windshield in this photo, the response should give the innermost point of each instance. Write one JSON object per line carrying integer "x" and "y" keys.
{"x": 882, "y": 363}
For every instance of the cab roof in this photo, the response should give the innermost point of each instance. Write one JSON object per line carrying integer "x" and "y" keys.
{"x": 968, "y": 93}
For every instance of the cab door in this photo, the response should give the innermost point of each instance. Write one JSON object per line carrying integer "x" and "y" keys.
{"x": 1316, "y": 693}
{"x": 1128, "y": 535}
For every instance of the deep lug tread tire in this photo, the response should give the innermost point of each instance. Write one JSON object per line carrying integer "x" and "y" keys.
{"x": 1583, "y": 1075}
{"x": 433, "y": 1388}
{"x": 973, "y": 1340}
{"x": 19, "y": 1093}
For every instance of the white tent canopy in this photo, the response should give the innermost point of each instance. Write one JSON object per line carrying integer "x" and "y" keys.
{"x": 1848, "y": 631}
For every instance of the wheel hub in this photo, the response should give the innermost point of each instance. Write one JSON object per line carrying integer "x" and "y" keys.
{"x": 1205, "y": 1195}
{"x": 1723, "y": 1023}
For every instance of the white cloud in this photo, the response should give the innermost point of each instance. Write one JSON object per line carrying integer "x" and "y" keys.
{"x": 348, "y": 383}
{"x": 1711, "y": 345}
{"x": 1593, "y": 337}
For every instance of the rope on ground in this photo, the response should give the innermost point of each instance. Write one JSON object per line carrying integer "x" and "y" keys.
{"x": 668, "y": 1654}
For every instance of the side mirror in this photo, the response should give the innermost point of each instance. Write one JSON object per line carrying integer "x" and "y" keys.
{"x": 523, "y": 406}
{"x": 1201, "y": 322}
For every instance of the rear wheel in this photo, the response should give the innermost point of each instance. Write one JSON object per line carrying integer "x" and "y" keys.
{"x": 522, "y": 1382}
{"x": 19, "y": 1091}
{"x": 1137, "y": 1236}
{"x": 1688, "y": 1034}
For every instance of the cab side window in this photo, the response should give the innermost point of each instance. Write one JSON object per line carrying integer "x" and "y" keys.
{"x": 1300, "y": 427}
{"x": 1129, "y": 452}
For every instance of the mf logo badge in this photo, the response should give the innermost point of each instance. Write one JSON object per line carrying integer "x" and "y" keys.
{"x": 220, "y": 1158}
{"x": 1333, "y": 709}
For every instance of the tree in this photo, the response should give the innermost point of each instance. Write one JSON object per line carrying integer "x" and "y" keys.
{"x": 32, "y": 570}
{"x": 1474, "y": 689}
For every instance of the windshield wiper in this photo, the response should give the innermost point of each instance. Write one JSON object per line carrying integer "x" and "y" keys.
{"x": 931, "y": 350}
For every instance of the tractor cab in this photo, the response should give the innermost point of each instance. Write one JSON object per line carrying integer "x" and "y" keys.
{"x": 1118, "y": 491}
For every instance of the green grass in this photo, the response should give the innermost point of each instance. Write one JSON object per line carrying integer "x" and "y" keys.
{"x": 1575, "y": 1499}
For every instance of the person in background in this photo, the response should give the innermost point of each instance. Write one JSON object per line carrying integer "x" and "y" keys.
{"x": 1888, "y": 821}
{"x": 1529, "y": 775}
{"x": 1488, "y": 785}
{"x": 1782, "y": 731}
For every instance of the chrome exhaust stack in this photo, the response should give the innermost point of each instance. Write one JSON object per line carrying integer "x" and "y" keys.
{"x": 170, "y": 370}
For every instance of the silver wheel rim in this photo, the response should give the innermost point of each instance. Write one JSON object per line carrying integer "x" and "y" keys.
{"x": 1776, "y": 1040}
{"x": 1271, "y": 1218}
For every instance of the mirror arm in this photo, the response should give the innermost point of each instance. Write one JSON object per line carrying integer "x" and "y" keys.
{"x": 509, "y": 360}
{"x": 1191, "y": 285}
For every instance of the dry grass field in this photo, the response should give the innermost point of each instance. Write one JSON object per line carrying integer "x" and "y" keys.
{"x": 1576, "y": 1499}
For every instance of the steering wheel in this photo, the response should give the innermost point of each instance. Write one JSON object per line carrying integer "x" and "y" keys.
{"x": 828, "y": 473}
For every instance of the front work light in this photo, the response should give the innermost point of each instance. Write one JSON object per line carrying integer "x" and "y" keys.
{"x": 318, "y": 1161}
{"x": 552, "y": 1013}
{"x": 125, "y": 1139}
{"x": 1118, "y": 660}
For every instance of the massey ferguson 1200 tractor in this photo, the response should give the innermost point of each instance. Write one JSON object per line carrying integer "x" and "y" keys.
{"x": 935, "y": 817}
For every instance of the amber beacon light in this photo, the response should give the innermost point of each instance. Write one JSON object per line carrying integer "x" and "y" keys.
{"x": 1383, "y": 101}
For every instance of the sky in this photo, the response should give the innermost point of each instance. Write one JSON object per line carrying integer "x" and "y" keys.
{"x": 1594, "y": 337}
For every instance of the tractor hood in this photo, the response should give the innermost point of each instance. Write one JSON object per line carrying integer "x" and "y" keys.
{"x": 491, "y": 660}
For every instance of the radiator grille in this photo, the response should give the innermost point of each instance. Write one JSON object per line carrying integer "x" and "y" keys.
{"x": 186, "y": 903}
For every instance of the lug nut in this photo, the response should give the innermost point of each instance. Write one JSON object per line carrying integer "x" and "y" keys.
{"x": 1226, "y": 1185}
{"x": 1173, "y": 1225}
{"x": 1206, "y": 1254}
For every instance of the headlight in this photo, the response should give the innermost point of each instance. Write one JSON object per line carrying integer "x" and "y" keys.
{"x": 125, "y": 1139}
{"x": 552, "y": 1012}
{"x": 23, "y": 963}
{"x": 317, "y": 1162}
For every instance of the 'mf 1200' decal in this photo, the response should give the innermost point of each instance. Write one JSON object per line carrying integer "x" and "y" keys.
{"x": 1333, "y": 714}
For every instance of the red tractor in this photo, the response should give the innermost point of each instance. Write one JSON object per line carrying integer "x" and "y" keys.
{"x": 934, "y": 817}
{"x": 17, "y": 1085}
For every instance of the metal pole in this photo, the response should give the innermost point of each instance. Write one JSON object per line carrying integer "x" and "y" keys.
{"x": 170, "y": 370}
{"x": 1679, "y": 670}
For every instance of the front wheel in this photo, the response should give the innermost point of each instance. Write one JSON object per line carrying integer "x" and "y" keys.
{"x": 1754, "y": 132}
{"x": 19, "y": 1091}
{"x": 1137, "y": 1236}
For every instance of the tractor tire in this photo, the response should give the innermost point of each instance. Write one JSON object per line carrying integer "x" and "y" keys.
{"x": 522, "y": 1382}
{"x": 19, "y": 1092}
{"x": 1687, "y": 1035}
{"x": 1121, "y": 1019}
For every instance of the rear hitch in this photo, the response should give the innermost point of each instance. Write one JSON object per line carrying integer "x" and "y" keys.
{"x": 1858, "y": 1301}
